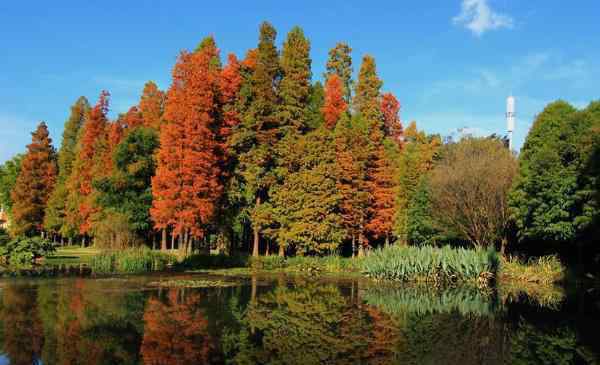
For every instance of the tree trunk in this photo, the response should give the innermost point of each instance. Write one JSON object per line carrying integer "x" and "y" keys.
{"x": 281, "y": 251}
{"x": 163, "y": 241}
{"x": 353, "y": 245}
{"x": 503, "y": 246}
{"x": 387, "y": 240}
{"x": 256, "y": 235}
{"x": 361, "y": 251}
{"x": 267, "y": 253}
{"x": 173, "y": 240}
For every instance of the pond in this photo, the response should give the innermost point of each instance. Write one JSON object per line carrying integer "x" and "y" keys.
{"x": 202, "y": 319}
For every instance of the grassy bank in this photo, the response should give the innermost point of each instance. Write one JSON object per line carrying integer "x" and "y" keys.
{"x": 72, "y": 255}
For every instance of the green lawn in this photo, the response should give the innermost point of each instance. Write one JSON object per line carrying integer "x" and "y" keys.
{"x": 71, "y": 255}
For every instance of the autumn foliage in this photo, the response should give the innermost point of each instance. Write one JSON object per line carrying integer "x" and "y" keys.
{"x": 335, "y": 104}
{"x": 251, "y": 155}
{"x": 186, "y": 186}
{"x": 34, "y": 183}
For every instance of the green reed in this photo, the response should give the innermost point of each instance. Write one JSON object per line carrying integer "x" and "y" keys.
{"x": 130, "y": 261}
{"x": 428, "y": 263}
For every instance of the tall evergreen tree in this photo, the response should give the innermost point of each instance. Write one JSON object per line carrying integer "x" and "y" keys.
{"x": 367, "y": 94}
{"x": 260, "y": 131}
{"x": 340, "y": 63}
{"x": 34, "y": 184}
{"x": 294, "y": 88}
{"x": 55, "y": 212}
{"x": 186, "y": 186}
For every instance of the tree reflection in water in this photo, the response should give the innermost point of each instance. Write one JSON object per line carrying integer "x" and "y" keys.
{"x": 299, "y": 321}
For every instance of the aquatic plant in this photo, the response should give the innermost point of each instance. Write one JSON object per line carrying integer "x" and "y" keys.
{"x": 194, "y": 283}
{"x": 429, "y": 263}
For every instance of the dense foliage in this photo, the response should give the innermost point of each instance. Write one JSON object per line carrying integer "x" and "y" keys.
{"x": 24, "y": 250}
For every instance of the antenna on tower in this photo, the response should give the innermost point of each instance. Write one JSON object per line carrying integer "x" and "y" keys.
{"x": 510, "y": 119}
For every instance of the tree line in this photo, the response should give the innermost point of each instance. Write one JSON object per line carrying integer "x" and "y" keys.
{"x": 254, "y": 155}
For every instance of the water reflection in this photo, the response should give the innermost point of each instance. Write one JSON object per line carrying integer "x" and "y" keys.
{"x": 281, "y": 321}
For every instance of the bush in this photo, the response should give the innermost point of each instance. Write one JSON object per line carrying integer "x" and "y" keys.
{"x": 130, "y": 261}
{"x": 429, "y": 263}
{"x": 24, "y": 250}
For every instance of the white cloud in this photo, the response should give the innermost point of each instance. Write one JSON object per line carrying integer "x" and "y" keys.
{"x": 478, "y": 17}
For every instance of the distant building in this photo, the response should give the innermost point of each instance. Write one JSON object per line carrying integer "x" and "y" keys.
{"x": 4, "y": 222}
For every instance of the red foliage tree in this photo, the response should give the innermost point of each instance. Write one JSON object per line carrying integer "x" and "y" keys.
{"x": 392, "y": 124}
{"x": 231, "y": 82}
{"x": 334, "y": 104}
{"x": 90, "y": 157}
{"x": 133, "y": 118}
{"x": 382, "y": 187}
{"x": 34, "y": 183}
{"x": 152, "y": 105}
{"x": 186, "y": 186}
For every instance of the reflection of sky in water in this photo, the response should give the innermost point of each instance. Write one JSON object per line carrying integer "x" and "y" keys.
{"x": 4, "y": 360}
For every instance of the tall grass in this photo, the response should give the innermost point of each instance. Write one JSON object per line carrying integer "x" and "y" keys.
{"x": 429, "y": 263}
{"x": 543, "y": 270}
{"x": 130, "y": 261}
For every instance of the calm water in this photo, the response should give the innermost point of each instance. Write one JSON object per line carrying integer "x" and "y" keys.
{"x": 286, "y": 321}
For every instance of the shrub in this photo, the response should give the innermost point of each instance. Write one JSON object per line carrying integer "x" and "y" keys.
{"x": 130, "y": 261}
{"x": 429, "y": 263}
{"x": 25, "y": 250}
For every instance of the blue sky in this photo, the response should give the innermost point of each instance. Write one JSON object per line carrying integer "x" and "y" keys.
{"x": 451, "y": 63}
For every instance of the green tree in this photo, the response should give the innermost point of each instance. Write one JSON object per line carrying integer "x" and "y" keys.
{"x": 55, "y": 211}
{"x": 316, "y": 100}
{"x": 127, "y": 191}
{"x": 9, "y": 171}
{"x": 367, "y": 94}
{"x": 306, "y": 201}
{"x": 258, "y": 132}
{"x": 294, "y": 88}
{"x": 416, "y": 159}
{"x": 544, "y": 198}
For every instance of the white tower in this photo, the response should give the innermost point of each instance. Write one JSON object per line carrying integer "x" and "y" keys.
{"x": 510, "y": 119}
